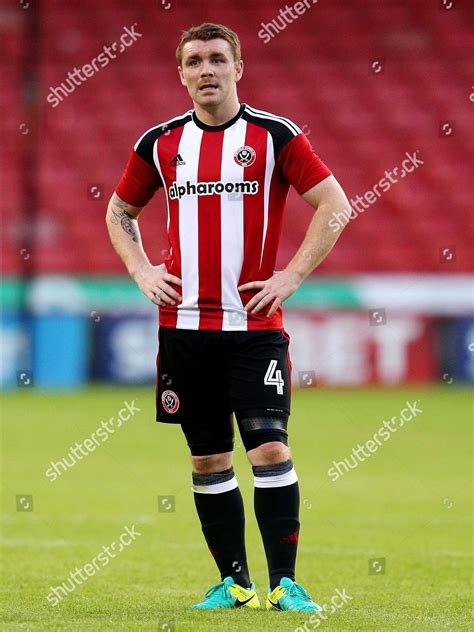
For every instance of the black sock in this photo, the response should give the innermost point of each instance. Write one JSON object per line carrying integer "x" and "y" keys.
{"x": 277, "y": 501}
{"x": 223, "y": 522}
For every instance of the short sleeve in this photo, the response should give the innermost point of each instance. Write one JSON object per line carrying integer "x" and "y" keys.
{"x": 300, "y": 165}
{"x": 139, "y": 181}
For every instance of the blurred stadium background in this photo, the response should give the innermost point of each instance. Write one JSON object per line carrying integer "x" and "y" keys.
{"x": 370, "y": 82}
{"x": 367, "y": 82}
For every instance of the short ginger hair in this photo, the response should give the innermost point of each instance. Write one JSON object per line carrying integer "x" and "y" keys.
{"x": 209, "y": 31}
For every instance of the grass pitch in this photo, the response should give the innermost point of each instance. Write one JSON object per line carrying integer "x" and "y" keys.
{"x": 407, "y": 507}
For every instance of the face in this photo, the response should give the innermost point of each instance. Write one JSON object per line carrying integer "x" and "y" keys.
{"x": 209, "y": 72}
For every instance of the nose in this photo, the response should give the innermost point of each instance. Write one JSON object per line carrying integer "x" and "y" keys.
{"x": 206, "y": 70}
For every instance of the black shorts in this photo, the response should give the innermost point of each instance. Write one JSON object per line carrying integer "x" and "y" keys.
{"x": 203, "y": 376}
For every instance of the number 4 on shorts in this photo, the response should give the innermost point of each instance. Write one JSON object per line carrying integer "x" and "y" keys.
{"x": 273, "y": 377}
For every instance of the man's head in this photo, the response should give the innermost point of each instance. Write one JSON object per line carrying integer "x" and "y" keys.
{"x": 209, "y": 63}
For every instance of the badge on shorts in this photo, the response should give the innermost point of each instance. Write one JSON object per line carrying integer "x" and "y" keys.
{"x": 170, "y": 401}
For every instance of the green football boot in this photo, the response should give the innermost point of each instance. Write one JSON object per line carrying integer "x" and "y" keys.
{"x": 228, "y": 594}
{"x": 289, "y": 595}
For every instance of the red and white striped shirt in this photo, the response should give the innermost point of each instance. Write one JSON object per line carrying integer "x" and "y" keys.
{"x": 226, "y": 188}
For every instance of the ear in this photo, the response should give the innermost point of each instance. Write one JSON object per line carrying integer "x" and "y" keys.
{"x": 239, "y": 70}
{"x": 181, "y": 75}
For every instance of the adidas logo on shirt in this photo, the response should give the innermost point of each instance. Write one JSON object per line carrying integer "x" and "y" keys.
{"x": 177, "y": 161}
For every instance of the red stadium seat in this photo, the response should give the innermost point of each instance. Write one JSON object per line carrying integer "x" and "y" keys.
{"x": 315, "y": 72}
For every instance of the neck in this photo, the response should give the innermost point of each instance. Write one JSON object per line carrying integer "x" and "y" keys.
{"x": 218, "y": 114}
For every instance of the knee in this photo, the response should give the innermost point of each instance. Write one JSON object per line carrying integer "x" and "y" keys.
{"x": 269, "y": 453}
{"x": 211, "y": 463}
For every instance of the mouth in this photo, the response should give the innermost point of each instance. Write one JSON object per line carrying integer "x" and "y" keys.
{"x": 208, "y": 86}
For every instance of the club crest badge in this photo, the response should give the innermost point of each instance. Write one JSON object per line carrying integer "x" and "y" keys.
{"x": 170, "y": 401}
{"x": 245, "y": 156}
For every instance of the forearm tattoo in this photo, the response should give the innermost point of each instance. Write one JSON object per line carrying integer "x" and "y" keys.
{"x": 126, "y": 222}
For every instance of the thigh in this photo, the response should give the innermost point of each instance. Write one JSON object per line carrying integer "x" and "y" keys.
{"x": 257, "y": 430}
{"x": 259, "y": 374}
{"x": 210, "y": 437}
{"x": 190, "y": 383}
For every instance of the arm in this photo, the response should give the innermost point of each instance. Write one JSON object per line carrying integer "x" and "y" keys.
{"x": 326, "y": 197}
{"x": 124, "y": 233}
